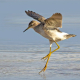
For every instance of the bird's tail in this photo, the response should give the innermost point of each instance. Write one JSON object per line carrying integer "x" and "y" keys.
{"x": 70, "y": 35}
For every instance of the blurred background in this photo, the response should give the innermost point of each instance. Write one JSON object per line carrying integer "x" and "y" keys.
{"x": 13, "y": 19}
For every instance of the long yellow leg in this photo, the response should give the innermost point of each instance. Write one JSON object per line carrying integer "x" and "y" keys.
{"x": 48, "y": 56}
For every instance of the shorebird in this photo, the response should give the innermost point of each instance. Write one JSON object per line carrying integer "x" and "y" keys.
{"x": 48, "y": 28}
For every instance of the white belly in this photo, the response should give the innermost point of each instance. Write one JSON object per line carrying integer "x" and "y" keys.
{"x": 51, "y": 34}
{"x": 58, "y": 35}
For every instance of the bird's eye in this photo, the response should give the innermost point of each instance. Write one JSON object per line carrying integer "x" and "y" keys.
{"x": 31, "y": 25}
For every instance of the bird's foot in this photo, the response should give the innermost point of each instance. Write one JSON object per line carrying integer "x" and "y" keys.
{"x": 46, "y": 57}
{"x": 43, "y": 68}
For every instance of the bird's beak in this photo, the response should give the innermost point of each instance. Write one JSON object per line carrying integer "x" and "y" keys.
{"x": 26, "y": 29}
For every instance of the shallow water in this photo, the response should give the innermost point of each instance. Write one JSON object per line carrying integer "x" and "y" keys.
{"x": 24, "y": 62}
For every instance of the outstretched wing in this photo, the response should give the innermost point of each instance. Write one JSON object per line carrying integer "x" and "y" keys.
{"x": 54, "y": 21}
{"x": 35, "y": 16}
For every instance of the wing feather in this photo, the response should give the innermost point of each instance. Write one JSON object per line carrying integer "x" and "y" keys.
{"x": 54, "y": 21}
{"x": 35, "y": 16}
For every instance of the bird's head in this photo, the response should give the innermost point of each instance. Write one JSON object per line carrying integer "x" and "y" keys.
{"x": 32, "y": 24}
